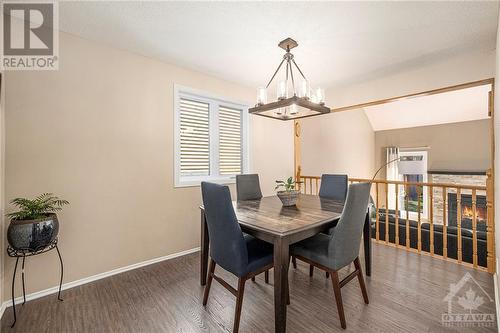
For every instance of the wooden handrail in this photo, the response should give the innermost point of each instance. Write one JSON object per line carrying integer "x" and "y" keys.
{"x": 400, "y": 182}
{"x": 381, "y": 181}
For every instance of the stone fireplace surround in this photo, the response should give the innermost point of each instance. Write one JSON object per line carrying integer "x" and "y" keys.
{"x": 453, "y": 177}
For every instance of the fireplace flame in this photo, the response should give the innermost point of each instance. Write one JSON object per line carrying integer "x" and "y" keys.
{"x": 468, "y": 213}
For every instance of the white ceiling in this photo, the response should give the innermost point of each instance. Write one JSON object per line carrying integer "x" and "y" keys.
{"x": 340, "y": 42}
{"x": 451, "y": 107}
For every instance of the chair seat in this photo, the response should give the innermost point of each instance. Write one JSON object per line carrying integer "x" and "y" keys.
{"x": 314, "y": 248}
{"x": 260, "y": 253}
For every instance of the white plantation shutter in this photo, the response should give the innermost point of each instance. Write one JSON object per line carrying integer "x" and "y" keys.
{"x": 211, "y": 138}
{"x": 194, "y": 138}
{"x": 230, "y": 141}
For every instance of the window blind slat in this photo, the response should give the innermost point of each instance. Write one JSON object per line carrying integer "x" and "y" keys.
{"x": 230, "y": 142}
{"x": 194, "y": 138}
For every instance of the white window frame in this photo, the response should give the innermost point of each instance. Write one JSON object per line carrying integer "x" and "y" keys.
{"x": 214, "y": 101}
{"x": 425, "y": 190}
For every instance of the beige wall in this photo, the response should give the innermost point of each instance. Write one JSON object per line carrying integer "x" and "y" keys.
{"x": 497, "y": 155}
{"x": 2, "y": 183}
{"x": 338, "y": 143}
{"x": 461, "y": 146}
{"x": 99, "y": 133}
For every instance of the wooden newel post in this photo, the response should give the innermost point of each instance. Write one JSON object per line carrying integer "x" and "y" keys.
{"x": 490, "y": 222}
{"x": 296, "y": 151}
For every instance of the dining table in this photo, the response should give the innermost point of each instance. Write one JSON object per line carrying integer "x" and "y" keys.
{"x": 268, "y": 220}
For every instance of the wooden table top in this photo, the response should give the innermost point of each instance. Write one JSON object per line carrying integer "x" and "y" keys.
{"x": 269, "y": 215}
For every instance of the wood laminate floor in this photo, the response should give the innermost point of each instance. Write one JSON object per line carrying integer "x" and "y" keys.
{"x": 406, "y": 293}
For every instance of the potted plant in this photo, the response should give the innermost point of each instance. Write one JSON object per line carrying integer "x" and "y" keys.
{"x": 289, "y": 194}
{"x": 35, "y": 225}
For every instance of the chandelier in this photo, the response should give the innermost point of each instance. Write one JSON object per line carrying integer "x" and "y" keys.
{"x": 293, "y": 101}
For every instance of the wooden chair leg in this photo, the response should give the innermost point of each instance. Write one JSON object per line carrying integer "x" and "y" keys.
{"x": 288, "y": 293}
{"x": 294, "y": 262}
{"x": 239, "y": 303}
{"x": 311, "y": 270}
{"x": 266, "y": 276}
{"x": 361, "y": 280}
{"x": 211, "y": 271}
{"x": 338, "y": 297}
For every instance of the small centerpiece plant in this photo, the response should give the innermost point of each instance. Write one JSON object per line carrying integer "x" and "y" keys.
{"x": 35, "y": 225}
{"x": 289, "y": 194}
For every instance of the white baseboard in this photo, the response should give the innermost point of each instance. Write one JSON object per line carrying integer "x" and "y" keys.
{"x": 92, "y": 278}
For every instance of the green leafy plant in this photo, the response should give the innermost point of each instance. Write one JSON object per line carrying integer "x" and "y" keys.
{"x": 288, "y": 185}
{"x": 40, "y": 207}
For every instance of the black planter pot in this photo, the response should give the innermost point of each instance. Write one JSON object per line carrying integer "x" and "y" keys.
{"x": 33, "y": 235}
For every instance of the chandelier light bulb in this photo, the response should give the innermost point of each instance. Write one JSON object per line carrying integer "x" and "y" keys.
{"x": 320, "y": 96}
{"x": 261, "y": 96}
{"x": 282, "y": 90}
{"x": 304, "y": 89}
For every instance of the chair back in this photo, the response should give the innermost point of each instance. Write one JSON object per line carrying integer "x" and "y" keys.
{"x": 248, "y": 187}
{"x": 227, "y": 244}
{"x": 333, "y": 187}
{"x": 346, "y": 236}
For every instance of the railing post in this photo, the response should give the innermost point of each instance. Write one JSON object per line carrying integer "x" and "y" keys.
{"x": 431, "y": 219}
{"x": 397, "y": 216}
{"x": 490, "y": 223}
{"x": 419, "y": 225}
{"x": 377, "y": 235}
{"x": 445, "y": 236}
{"x": 407, "y": 219}
{"x": 386, "y": 213}
{"x": 459, "y": 225}
{"x": 474, "y": 229}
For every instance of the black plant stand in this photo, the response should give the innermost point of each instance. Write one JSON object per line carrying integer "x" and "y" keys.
{"x": 28, "y": 253}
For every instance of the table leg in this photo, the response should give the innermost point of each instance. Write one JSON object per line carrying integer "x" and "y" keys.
{"x": 281, "y": 262}
{"x": 367, "y": 242}
{"x": 203, "y": 249}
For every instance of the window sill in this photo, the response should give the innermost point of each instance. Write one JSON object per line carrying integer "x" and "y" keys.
{"x": 197, "y": 182}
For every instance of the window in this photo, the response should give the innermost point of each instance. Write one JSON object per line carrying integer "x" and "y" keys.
{"x": 413, "y": 169}
{"x": 210, "y": 138}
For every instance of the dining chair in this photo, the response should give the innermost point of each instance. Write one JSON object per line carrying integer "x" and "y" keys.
{"x": 341, "y": 247}
{"x": 248, "y": 188}
{"x": 332, "y": 187}
{"x": 238, "y": 253}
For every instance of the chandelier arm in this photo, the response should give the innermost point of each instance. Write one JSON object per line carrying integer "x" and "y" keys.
{"x": 276, "y": 72}
{"x": 293, "y": 81}
{"x": 299, "y": 69}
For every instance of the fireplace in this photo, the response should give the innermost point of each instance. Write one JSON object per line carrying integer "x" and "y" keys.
{"x": 466, "y": 210}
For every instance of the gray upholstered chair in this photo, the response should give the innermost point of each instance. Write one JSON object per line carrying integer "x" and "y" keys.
{"x": 332, "y": 187}
{"x": 242, "y": 255}
{"x": 248, "y": 187}
{"x": 341, "y": 247}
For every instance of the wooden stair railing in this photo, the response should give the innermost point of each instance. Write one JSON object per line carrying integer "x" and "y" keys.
{"x": 311, "y": 185}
